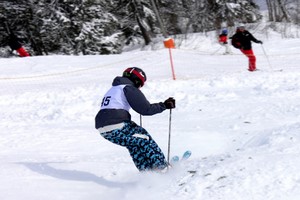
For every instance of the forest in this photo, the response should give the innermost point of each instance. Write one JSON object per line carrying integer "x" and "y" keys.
{"x": 93, "y": 27}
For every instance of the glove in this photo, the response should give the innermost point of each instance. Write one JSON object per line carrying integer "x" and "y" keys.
{"x": 259, "y": 42}
{"x": 170, "y": 103}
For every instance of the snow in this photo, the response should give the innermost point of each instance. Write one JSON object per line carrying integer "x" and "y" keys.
{"x": 242, "y": 127}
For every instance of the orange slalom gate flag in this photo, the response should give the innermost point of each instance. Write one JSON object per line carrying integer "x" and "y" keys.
{"x": 169, "y": 43}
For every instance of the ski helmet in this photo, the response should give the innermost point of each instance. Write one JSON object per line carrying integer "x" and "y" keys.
{"x": 224, "y": 31}
{"x": 241, "y": 26}
{"x": 136, "y": 75}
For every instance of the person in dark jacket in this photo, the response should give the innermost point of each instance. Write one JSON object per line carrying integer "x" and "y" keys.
{"x": 114, "y": 123}
{"x": 242, "y": 40}
{"x": 15, "y": 45}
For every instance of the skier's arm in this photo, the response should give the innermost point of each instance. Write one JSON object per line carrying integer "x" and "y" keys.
{"x": 252, "y": 38}
{"x": 140, "y": 104}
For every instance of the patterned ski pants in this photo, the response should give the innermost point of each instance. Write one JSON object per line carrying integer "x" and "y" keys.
{"x": 143, "y": 150}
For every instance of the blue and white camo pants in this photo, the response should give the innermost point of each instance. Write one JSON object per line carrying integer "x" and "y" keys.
{"x": 143, "y": 150}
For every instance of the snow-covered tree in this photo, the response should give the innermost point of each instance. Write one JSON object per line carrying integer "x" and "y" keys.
{"x": 202, "y": 15}
{"x": 136, "y": 17}
{"x": 64, "y": 26}
{"x": 80, "y": 27}
{"x": 104, "y": 26}
{"x": 278, "y": 10}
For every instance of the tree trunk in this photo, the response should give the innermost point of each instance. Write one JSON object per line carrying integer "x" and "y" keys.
{"x": 144, "y": 31}
{"x": 270, "y": 10}
{"x": 137, "y": 7}
{"x": 284, "y": 11}
{"x": 163, "y": 30}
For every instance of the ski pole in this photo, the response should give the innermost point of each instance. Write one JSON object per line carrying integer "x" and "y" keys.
{"x": 141, "y": 121}
{"x": 169, "y": 139}
{"x": 267, "y": 57}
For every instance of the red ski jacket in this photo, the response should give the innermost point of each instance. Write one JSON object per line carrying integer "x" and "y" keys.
{"x": 223, "y": 38}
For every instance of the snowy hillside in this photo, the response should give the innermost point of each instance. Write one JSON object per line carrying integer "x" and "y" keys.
{"x": 242, "y": 127}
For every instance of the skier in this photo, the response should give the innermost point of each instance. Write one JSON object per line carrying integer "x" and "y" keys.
{"x": 223, "y": 40}
{"x": 113, "y": 121}
{"x": 242, "y": 40}
{"x": 14, "y": 44}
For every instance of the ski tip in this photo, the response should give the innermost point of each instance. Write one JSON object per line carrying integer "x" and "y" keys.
{"x": 187, "y": 154}
{"x": 174, "y": 159}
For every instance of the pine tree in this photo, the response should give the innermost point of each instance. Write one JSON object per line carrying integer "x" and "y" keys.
{"x": 205, "y": 15}
{"x": 104, "y": 26}
{"x": 136, "y": 17}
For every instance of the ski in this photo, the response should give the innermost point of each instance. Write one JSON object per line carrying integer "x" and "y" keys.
{"x": 174, "y": 159}
{"x": 270, "y": 70}
{"x": 185, "y": 156}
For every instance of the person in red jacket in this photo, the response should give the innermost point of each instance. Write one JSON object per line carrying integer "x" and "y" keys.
{"x": 223, "y": 41}
{"x": 14, "y": 44}
{"x": 242, "y": 41}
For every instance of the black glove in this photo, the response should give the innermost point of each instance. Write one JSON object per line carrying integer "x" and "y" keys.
{"x": 170, "y": 103}
{"x": 259, "y": 42}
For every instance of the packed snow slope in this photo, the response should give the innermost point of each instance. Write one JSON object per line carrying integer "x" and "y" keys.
{"x": 242, "y": 127}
